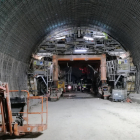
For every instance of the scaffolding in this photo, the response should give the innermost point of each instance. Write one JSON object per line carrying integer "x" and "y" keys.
{"x": 111, "y": 70}
{"x": 48, "y": 65}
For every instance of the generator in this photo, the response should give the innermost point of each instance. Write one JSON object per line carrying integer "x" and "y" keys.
{"x": 119, "y": 95}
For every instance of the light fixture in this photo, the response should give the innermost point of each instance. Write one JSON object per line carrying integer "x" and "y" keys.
{"x": 88, "y": 38}
{"x": 123, "y": 56}
{"x": 44, "y": 54}
{"x": 37, "y": 57}
{"x": 99, "y": 36}
{"x": 69, "y": 87}
{"x": 80, "y": 50}
{"x": 62, "y": 37}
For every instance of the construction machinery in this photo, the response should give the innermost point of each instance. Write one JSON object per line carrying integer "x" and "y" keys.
{"x": 121, "y": 72}
{"x": 14, "y": 121}
{"x": 87, "y": 54}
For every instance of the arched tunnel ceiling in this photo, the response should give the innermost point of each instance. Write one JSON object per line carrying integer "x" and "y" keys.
{"x": 24, "y": 23}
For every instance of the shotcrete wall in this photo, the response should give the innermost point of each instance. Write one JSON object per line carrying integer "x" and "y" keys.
{"x": 24, "y": 23}
{"x": 13, "y": 72}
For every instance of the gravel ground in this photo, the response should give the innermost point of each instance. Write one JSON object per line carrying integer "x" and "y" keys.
{"x": 90, "y": 119}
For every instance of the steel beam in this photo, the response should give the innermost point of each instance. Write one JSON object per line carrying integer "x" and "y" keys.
{"x": 55, "y": 70}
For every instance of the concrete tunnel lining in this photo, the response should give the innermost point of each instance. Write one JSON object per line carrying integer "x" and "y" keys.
{"x": 25, "y": 23}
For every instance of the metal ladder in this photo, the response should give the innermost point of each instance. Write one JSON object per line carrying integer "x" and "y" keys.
{"x": 111, "y": 70}
{"x": 48, "y": 72}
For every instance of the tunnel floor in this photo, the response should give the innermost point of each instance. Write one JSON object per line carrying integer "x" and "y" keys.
{"x": 89, "y": 119}
{"x": 77, "y": 95}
